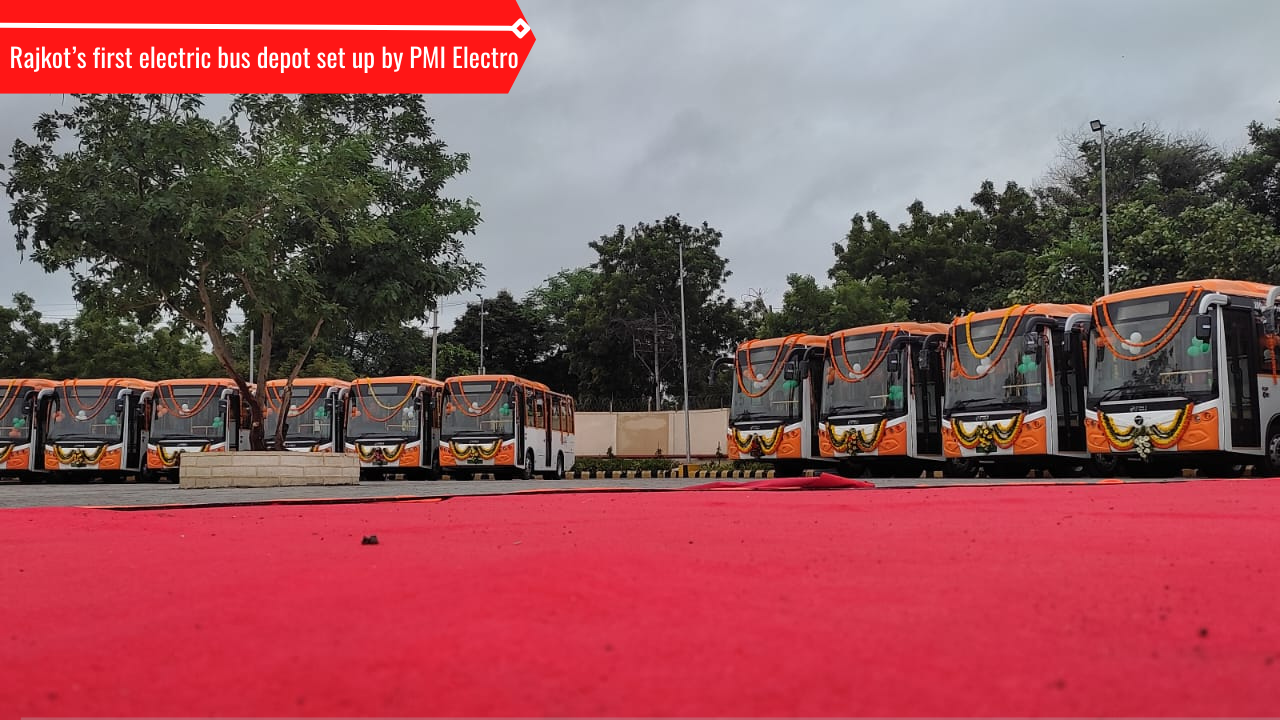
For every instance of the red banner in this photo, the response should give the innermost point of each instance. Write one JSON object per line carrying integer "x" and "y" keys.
{"x": 288, "y": 46}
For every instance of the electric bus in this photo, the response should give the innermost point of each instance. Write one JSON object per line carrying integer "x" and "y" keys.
{"x": 24, "y": 421}
{"x": 504, "y": 424}
{"x": 1185, "y": 375}
{"x": 191, "y": 415}
{"x": 393, "y": 425}
{"x": 1014, "y": 397}
{"x": 99, "y": 427}
{"x": 881, "y": 411}
{"x": 774, "y": 407}
{"x": 313, "y": 422}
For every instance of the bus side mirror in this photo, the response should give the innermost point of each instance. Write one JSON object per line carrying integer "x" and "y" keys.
{"x": 922, "y": 362}
{"x": 1033, "y": 341}
{"x": 789, "y": 373}
{"x": 119, "y": 406}
{"x": 1204, "y": 327}
{"x": 222, "y": 407}
{"x": 1270, "y": 320}
{"x": 894, "y": 362}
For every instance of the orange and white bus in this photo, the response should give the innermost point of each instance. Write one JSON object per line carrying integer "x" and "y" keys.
{"x": 881, "y": 411}
{"x": 1185, "y": 375}
{"x": 393, "y": 425}
{"x": 774, "y": 408}
{"x": 1014, "y": 398}
{"x": 191, "y": 415}
{"x": 505, "y": 424}
{"x": 99, "y": 426}
{"x": 24, "y": 421}
{"x": 313, "y": 422}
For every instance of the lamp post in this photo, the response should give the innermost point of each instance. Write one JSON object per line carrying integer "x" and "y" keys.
{"x": 481, "y": 372}
{"x": 1101, "y": 129}
{"x": 684, "y": 361}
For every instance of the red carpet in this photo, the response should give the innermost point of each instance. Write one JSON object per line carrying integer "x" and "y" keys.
{"x": 1132, "y": 600}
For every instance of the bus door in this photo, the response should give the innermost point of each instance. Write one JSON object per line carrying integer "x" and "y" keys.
{"x": 1241, "y": 374}
{"x": 927, "y": 395}
{"x": 544, "y": 423}
{"x": 1068, "y": 359}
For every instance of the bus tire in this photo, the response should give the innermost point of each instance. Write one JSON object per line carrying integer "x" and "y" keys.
{"x": 1271, "y": 451}
{"x": 527, "y": 472}
{"x": 559, "y": 473}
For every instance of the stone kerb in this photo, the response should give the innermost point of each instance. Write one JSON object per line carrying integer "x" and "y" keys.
{"x": 266, "y": 469}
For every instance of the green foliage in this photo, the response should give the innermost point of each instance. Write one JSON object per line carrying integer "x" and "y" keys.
{"x": 95, "y": 344}
{"x": 301, "y": 211}
{"x": 626, "y": 333}
{"x": 610, "y": 464}
{"x": 512, "y": 335}
{"x": 453, "y": 359}
{"x": 810, "y": 308}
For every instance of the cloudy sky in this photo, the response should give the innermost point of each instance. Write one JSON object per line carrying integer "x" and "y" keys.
{"x": 777, "y": 122}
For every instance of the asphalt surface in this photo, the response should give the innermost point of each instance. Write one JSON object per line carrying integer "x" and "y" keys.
{"x": 14, "y": 495}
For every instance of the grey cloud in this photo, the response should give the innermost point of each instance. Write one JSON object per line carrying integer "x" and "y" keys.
{"x": 777, "y": 122}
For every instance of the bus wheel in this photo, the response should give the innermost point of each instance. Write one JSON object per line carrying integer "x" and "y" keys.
{"x": 1271, "y": 460}
{"x": 559, "y": 467}
{"x": 1104, "y": 465}
{"x": 960, "y": 468}
{"x": 1223, "y": 467}
{"x": 527, "y": 471}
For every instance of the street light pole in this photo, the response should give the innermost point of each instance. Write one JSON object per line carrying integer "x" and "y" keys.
{"x": 481, "y": 333}
{"x": 1101, "y": 129}
{"x": 435, "y": 336}
{"x": 684, "y": 360}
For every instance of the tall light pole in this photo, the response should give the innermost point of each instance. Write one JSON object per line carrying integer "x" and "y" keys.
{"x": 684, "y": 360}
{"x": 481, "y": 372}
{"x": 1101, "y": 129}
{"x": 435, "y": 336}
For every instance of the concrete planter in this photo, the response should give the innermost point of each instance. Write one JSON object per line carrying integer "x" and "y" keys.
{"x": 266, "y": 469}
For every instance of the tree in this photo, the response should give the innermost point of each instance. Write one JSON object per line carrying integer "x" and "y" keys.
{"x": 633, "y": 311}
{"x": 941, "y": 265}
{"x": 1252, "y": 175}
{"x": 27, "y": 342}
{"x": 553, "y": 304}
{"x": 296, "y": 210}
{"x": 512, "y": 335}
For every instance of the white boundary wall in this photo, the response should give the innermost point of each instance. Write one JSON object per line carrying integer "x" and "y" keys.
{"x": 645, "y": 434}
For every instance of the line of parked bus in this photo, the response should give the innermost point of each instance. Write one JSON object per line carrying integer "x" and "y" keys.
{"x": 1145, "y": 382}
{"x": 410, "y": 425}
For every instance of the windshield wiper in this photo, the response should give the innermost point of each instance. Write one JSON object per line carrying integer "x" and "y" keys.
{"x": 838, "y": 409}
{"x": 961, "y": 404}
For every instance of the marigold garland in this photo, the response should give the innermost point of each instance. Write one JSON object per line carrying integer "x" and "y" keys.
{"x": 372, "y": 452}
{"x": 957, "y": 368}
{"x": 779, "y": 360}
{"x": 988, "y": 436}
{"x": 474, "y": 450}
{"x": 206, "y": 395}
{"x": 392, "y": 410}
{"x": 103, "y": 399}
{"x": 1163, "y": 436}
{"x": 853, "y": 441}
{"x": 10, "y": 397}
{"x": 878, "y": 354}
{"x": 1102, "y": 319}
{"x": 277, "y": 400}
{"x": 455, "y": 389}
{"x": 765, "y": 443}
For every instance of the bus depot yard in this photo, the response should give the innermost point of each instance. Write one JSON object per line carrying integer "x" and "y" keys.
{"x": 1151, "y": 382}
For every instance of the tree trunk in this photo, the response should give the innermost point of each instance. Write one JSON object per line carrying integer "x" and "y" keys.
{"x": 287, "y": 396}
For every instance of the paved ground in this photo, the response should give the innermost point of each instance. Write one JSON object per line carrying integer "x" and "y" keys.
{"x": 143, "y": 494}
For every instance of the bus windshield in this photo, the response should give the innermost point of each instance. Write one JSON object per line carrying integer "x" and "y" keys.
{"x": 762, "y": 389}
{"x": 999, "y": 374}
{"x": 14, "y": 423}
{"x": 188, "y": 412}
{"x": 1140, "y": 359}
{"x": 849, "y": 391}
{"x": 308, "y": 417}
{"x": 86, "y": 413}
{"x": 481, "y": 408}
{"x": 383, "y": 410}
